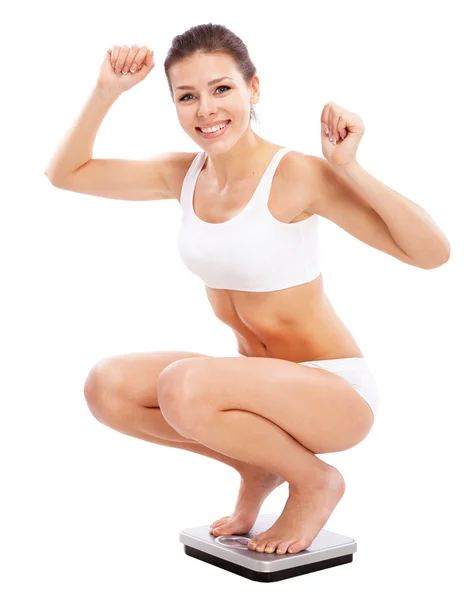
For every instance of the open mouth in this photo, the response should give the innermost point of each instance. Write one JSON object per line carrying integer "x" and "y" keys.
{"x": 213, "y": 134}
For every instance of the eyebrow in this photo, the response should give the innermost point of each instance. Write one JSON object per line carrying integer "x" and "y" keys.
{"x": 189, "y": 87}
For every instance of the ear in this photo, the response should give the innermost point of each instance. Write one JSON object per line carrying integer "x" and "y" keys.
{"x": 255, "y": 91}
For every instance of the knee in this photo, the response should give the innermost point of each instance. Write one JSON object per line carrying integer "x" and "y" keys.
{"x": 102, "y": 387}
{"x": 172, "y": 387}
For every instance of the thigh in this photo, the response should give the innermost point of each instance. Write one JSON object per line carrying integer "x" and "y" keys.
{"x": 133, "y": 376}
{"x": 318, "y": 408}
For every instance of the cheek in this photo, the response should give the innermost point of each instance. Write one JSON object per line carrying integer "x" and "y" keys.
{"x": 185, "y": 119}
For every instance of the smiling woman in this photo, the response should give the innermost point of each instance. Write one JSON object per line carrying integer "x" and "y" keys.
{"x": 210, "y": 39}
{"x": 249, "y": 230}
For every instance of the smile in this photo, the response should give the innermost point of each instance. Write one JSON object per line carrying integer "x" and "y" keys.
{"x": 214, "y": 134}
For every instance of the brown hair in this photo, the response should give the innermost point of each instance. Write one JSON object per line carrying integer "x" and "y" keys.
{"x": 208, "y": 39}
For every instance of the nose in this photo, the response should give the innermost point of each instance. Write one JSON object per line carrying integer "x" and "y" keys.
{"x": 206, "y": 107}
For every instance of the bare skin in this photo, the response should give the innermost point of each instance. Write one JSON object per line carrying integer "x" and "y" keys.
{"x": 297, "y": 324}
{"x": 256, "y": 485}
{"x": 307, "y": 510}
{"x": 121, "y": 392}
{"x": 312, "y": 331}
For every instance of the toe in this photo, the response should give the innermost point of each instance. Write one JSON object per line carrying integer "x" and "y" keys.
{"x": 282, "y": 547}
{"x": 221, "y": 525}
{"x": 219, "y": 522}
{"x": 258, "y": 544}
{"x": 221, "y": 530}
{"x": 296, "y": 547}
{"x": 253, "y": 543}
{"x": 261, "y": 546}
{"x": 271, "y": 546}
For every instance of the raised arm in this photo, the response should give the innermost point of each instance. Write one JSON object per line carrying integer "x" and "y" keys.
{"x": 72, "y": 166}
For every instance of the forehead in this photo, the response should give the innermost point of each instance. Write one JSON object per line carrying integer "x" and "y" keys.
{"x": 199, "y": 69}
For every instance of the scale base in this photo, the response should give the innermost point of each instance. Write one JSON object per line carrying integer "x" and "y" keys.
{"x": 231, "y": 552}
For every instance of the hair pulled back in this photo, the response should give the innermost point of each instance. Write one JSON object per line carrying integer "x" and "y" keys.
{"x": 207, "y": 39}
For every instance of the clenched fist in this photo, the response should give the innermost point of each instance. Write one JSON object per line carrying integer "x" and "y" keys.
{"x": 124, "y": 67}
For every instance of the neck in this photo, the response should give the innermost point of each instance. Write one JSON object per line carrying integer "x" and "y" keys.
{"x": 237, "y": 163}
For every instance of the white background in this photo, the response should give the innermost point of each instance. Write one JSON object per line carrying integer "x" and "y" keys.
{"x": 87, "y": 512}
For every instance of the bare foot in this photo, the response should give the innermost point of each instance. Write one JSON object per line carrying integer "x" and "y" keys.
{"x": 256, "y": 485}
{"x": 307, "y": 510}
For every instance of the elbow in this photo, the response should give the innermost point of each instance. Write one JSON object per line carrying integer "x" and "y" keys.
{"x": 438, "y": 262}
{"x": 52, "y": 180}
{"x": 48, "y": 176}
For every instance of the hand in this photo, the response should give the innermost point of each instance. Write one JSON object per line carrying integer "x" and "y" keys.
{"x": 347, "y": 130}
{"x": 115, "y": 72}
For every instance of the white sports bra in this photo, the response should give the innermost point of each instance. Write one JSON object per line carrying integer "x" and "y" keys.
{"x": 253, "y": 251}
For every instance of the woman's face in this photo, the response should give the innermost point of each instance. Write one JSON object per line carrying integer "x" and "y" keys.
{"x": 202, "y": 103}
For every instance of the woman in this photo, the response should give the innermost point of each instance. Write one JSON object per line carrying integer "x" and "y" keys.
{"x": 250, "y": 212}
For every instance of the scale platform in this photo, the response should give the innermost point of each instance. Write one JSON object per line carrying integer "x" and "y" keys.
{"x": 231, "y": 552}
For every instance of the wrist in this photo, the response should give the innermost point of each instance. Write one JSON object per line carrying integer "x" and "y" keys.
{"x": 347, "y": 170}
{"x": 106, "y": 92}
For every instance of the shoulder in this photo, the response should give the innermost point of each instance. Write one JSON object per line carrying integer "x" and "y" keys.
{"x": 300, "y": 161}
{"x": 303, "y": 168}
{"x": 304, "y": 175}
{"x": 181, "y": 162}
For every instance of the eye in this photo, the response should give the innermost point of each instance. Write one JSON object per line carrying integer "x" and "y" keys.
{"x": 219, "y": 87}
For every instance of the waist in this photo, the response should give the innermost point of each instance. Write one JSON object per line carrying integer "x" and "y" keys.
{"x": 301, "y": 344}
{"x": 302, "y": 340}
{"x": 296, "y": 324}
{"x": 322, "y": 360}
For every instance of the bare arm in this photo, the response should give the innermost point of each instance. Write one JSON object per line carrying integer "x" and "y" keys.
{"x": 72, "y": 167}
{"x": 77, "y": 146}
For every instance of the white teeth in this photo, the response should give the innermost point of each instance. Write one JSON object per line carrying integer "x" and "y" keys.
{"x": 213, "y": 129}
